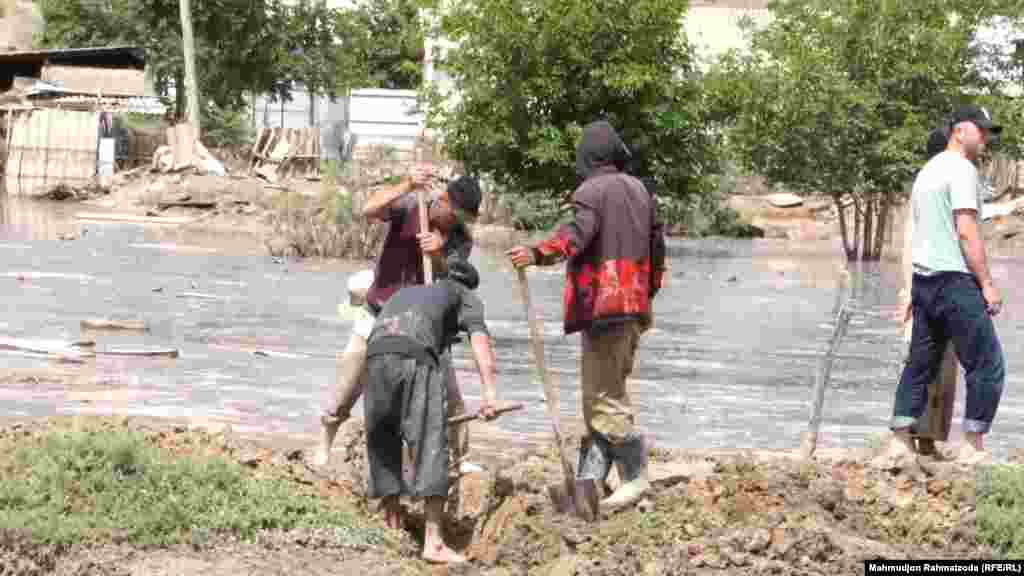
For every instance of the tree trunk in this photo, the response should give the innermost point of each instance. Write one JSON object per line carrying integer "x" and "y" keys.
{"x": 869, "y": 220}
{"x": 843, "y": 229}
{"x": 884, "y": 207}
{"x": 179, "y": 95}
{"x": 857, "y": 218}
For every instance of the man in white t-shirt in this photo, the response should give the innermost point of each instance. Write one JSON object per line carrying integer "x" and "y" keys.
{"x": 952, "y": 295}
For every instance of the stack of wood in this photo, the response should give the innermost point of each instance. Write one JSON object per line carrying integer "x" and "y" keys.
{"x": 281, "y": 153}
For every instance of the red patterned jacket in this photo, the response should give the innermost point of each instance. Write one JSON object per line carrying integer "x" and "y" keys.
{"x": 615, "y": 250}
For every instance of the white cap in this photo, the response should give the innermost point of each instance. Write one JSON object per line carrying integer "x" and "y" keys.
{"x": 358, "y": 285}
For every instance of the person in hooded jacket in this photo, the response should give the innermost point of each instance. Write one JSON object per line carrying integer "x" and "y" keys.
{"x": 615, "y": 253}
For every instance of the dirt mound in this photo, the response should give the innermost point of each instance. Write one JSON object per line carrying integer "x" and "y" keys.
{"x": 751, "y": 513}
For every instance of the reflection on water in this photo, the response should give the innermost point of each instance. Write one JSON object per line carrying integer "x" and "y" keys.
{"x": 730, "y": 362}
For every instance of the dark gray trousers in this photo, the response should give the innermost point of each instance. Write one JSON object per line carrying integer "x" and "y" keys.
{"x": 406, "y": 400}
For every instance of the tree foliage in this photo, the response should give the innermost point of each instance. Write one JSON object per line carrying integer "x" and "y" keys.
{"x": 252, "y": 46}
{"x": 235, "y": 44}
{"x": 529, "y": 74}
{"x": 837, "y": 96}
{"x": 393, "y": 45}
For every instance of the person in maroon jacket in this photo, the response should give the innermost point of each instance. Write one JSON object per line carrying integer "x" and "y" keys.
{"x": 452, "y": 209}
{"x": 615, "y": 250}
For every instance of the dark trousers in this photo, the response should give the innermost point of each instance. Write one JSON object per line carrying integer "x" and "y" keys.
{"x": 949, "y": 306}
{"x": 406, "y": 399}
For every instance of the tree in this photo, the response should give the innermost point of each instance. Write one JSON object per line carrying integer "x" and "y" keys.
{"x": 242, "y": 46}
{"x": 528, "y": 74}
{"x": 393, "y": 42}
{"x": 837, "y": 96}
{"x": 321, "y": 48}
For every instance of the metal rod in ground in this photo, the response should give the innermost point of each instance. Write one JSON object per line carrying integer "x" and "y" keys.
{"x": 809, "y": 442}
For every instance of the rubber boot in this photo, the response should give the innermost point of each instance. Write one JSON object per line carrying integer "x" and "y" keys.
{"x": 594, "y": 460}
{"x": 631, "y": 461}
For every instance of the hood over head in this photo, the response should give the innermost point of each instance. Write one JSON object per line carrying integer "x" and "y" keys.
{"x": 599, "y": 146}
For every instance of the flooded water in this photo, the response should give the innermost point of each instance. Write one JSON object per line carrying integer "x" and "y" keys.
{"x": 731, "y": 361}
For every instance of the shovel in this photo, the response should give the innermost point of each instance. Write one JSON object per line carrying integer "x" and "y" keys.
{"x": 476, "y": 415}
{"x": 578, "y": 497}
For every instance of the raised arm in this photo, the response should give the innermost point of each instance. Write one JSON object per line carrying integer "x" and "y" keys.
{"x": 378, "y": 203}
{"x": 570, "y": 239}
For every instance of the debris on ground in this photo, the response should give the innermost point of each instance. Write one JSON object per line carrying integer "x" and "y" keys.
{"x": 718, "y": 513}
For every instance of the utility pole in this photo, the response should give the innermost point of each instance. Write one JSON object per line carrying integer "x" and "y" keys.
{"x": 321, "y": 11}
{"x": 190, "y": 65}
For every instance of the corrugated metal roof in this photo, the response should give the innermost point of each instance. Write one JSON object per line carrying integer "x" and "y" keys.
{"x": 135, "y": 54}
{"x": 49, "y": 51}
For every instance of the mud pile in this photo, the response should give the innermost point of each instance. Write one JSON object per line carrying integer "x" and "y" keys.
{"x": 740, "y": 513}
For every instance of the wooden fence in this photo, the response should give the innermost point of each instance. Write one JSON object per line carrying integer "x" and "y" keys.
{"x": 49, "y": 147}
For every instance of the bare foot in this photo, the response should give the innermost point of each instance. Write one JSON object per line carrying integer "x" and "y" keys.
{"x": 393, "y": 516}
{"x": 899, "y": 454}
{"x": 969, "y": 455}
{"x": 441, "y": 554}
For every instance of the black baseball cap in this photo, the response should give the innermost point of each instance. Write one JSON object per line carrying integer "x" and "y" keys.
{"x": 465, "y": 193}
{"x": 979, "y": 116}
{"x": 461, "y": 271}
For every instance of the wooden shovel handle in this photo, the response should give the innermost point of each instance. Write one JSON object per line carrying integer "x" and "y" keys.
{"x": 550, "y": 392}
{"x": 498, "y": 412}
{"x": 421, "y": 199}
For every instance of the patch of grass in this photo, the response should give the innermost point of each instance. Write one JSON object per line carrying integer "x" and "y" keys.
{"x": 1000, "y": 498}
{"x": 669, "y": 524}
{"x": 112, "y": 485}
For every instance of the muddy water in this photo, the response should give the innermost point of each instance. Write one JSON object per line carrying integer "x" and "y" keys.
{"x": 740, "y": 330}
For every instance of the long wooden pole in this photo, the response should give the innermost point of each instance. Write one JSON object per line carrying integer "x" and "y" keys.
{"x": 421, "y": 199}
{"x": 583, "y": 500}
{"x": 810, "y": 439}
{"x": 190, "y": 65}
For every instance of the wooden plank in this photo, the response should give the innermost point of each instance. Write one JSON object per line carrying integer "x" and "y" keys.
{"x": 937, "y": 419}
{"x": 13, "y": 154}
{"x": 119, "y": 217}
{"x": 62, "y": 157}
{"x": 255, "y": 147}
{"x": 39, "y": 157}
{"x": 29, "y": 170}
{"x": 187, "y": 204}
{"x": 45, "y": 127}
{"x": 25, "y": 144}
{"x": 40, "y": 346}
{"x": 140, "y": 352}
{"x": 88, "y": 144}
{"x": 109, "y": 324}
{"x": 57, "y": 167}
{"x": 54, "y": 356}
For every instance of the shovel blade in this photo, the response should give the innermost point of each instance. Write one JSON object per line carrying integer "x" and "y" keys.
{"x": 584, "y": 503}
